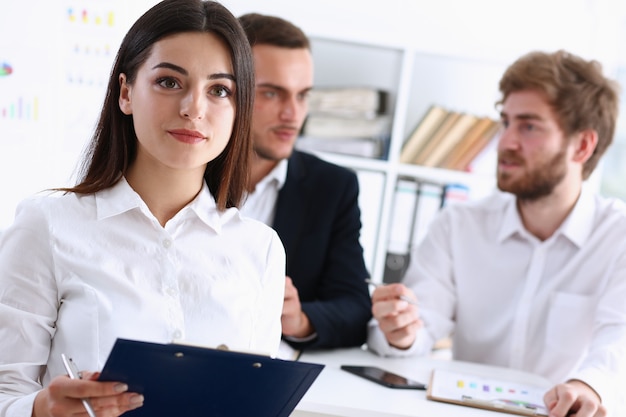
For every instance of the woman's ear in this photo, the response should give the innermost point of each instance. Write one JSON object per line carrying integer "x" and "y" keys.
{"x": 585, "y": 144}
{"x": 125, "y": 96}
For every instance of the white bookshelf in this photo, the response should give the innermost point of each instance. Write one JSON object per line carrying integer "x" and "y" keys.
{"x": 414, "y": 81}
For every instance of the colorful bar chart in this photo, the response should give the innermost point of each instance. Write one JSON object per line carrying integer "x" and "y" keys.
{"x": 21, "y": 108}
{"x": 89, "y": 17}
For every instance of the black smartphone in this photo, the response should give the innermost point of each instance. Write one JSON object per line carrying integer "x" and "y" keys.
{"x": 383, "y": 377}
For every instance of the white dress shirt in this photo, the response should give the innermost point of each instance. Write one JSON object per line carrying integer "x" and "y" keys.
{"x": 260, "y": 204}
{"x": 77, "y": 272}
{"x": 555, "y": 308}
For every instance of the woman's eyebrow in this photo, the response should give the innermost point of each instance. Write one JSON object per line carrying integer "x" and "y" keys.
{"x": 183, "y": 71}
{"x": 171, "y": 66}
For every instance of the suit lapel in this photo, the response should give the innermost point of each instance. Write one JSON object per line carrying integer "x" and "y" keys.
{"x": 291, "y": 204}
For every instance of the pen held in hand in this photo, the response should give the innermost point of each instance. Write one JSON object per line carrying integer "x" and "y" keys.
{"x": 72, "y": 372}
{"x": 402, "y": 297}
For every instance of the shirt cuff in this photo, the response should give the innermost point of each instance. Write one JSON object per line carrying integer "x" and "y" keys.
{"x": 304, "y": 339}
{"x": 22, "y": 406}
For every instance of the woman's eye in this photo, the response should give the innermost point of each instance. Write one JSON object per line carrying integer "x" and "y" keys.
{"x": 220, "y": 91}
{"x": 168, "y": 83}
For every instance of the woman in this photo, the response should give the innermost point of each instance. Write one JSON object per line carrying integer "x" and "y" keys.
{"x": 149, "y": 245}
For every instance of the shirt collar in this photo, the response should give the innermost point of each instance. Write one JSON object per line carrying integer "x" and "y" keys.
{"x": 577, "y": 226}
{"x": 121, "y": 198}
{"x": 117, "y": 199}
{"x": 278, "y": 174}
{"x": 511, "y": 222}
{"x": 205, "y": 207}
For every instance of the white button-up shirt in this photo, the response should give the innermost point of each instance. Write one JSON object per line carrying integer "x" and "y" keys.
{"x": 260, "y": 204}
{"x": 555, "y": 308}
{"x": 77, "y": 272}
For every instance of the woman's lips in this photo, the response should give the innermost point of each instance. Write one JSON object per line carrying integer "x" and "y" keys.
{"x": 187, "y": 136}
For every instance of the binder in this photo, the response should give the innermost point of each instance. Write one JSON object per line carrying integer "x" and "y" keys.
{"x": 401, "y": 231}
{"x": 184, "y": 380}
{"x": 415, "y": 204}
{"x": 431, "y": 200}
{"x": 487, "y": 393}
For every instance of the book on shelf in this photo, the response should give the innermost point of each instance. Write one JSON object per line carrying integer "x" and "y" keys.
{"x": 347, "y": 120}
{"x": 486, "y": 161}
{"x": 431, "y": 143}
{"x": 365, "y": 147}
{"x": 449, "y": 140}
{"x": 348, "y": 101}
{"x": 319, "y": 125}
{"x": 479, "y": 129}
{"x": 424, "y": 129}
{"x": 474, "y": 142}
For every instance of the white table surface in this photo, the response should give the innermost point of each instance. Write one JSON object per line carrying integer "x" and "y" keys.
{"x": 338, "y": 393}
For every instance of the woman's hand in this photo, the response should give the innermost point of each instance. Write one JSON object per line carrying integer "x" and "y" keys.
{"x": 62, "y": 398}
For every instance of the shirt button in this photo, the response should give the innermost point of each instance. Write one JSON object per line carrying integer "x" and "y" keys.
{"x": 172, "y": 291}
{"x": 177, "y": 334}
{"x": 167, "y": 243}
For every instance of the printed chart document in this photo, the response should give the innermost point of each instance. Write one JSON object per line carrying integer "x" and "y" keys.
{"x": 487, "y": 393}
{"x": 185, "y": 380}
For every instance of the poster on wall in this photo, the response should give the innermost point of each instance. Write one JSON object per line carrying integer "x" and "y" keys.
{"x": 29, "y": 112}
{"x": 90, "y": 41}
{"x": 55, "y": 60}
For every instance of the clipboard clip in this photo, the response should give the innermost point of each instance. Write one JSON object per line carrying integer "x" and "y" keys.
{"x": 517, "y": 407}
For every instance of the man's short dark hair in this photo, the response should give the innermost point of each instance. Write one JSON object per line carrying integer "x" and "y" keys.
{"x": 272, "y": 30}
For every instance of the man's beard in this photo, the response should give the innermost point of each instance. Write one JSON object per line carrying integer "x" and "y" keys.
{"x": 537, "y": 183}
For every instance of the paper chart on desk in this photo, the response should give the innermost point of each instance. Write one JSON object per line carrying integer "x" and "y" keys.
{"x": 477, "y": 391}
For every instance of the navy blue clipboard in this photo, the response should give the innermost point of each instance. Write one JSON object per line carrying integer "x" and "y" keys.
{"x": 182, "y": 380}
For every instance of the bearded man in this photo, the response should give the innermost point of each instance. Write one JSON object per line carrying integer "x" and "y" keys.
{"x": 532, "y": 277}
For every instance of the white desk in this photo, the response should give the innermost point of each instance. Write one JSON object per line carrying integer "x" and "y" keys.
{"x": 338, "y": 393}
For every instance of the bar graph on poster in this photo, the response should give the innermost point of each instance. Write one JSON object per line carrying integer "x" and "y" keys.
{"x": 55, "y": 60}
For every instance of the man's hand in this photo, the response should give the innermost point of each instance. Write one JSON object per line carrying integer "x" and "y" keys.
{"x": 398, "y": 319}
{"x": 295, "y": 323}
{"x": 62, "y": 398}
{"x": 574, "y": 398}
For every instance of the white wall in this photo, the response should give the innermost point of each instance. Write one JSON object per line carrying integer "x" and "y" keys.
{"x": 67, "y": 86}
{"x": 486, "y": 28}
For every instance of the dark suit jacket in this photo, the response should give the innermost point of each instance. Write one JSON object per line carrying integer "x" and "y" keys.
{"x": 318, "y": 221}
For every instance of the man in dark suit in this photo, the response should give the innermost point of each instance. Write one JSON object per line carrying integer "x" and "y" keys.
{"x": 312, "y": 204}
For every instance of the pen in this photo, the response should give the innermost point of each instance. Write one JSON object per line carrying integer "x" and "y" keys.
{"x": 73, "y": 373}
{"x": 402, "y": 297}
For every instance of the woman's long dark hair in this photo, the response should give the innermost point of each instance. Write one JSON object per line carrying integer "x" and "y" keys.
{"x": 113, "y": 146}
